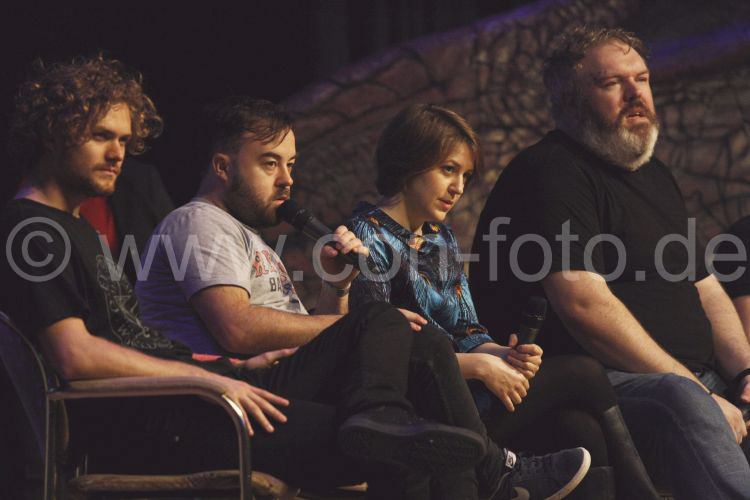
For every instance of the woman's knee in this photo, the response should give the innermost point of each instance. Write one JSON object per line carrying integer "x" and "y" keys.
{"x": 581, "y": 377}
{"x": 579, "y": 368}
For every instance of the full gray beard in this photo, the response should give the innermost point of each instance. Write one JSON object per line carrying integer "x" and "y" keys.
{"x": 621, "y": 146}
{"x": 613, "y": 142}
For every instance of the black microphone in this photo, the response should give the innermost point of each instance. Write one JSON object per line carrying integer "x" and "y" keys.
{"x": 310, "y": 226}
{"x": 745, "y": 409}
{"x": 532, "y": 319}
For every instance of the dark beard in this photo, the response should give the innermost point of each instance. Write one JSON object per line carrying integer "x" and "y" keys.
{"x": 245, "y": 206}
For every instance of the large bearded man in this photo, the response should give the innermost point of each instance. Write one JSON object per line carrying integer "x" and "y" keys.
{"x": 582, "y": 217}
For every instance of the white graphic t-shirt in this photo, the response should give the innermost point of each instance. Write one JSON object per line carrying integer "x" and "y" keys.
{"x": 197, "y": 246}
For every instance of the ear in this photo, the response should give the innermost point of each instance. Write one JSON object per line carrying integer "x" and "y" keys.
{"x": 221, "y": 164}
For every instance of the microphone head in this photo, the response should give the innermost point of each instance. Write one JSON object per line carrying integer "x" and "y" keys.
{"x": 290, "y": 212}
{"x": 535, "y": 311}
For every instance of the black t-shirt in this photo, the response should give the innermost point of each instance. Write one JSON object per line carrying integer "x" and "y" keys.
{"x": 733, "y": 272}
{"x": 558, "y": 187}
{"x": 55, "y": 269}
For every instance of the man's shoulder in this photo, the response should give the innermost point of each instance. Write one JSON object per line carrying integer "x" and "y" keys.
{"x": 21, "y": 208}
{"x": 550, "y": 165}
{"x": 198, "y": 217}
{"x": 198, "y": 207}
{"x": 659, "y": 166}
{"x": 12, "y": 213}
{"x": 40, "y": 242}
{"x": 553, "y": 154}
{"x": 23, "y": 215}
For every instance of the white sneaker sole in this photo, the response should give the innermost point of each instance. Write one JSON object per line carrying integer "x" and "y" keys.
{"x": 575, "y": 480}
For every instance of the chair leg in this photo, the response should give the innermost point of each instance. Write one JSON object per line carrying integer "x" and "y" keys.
{"x": 51, "y": 485}
{"x": 632, "y": 479}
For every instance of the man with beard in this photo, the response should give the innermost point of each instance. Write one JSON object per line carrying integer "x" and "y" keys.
{"x": 211, "y": 281}
{"x": 588, "y": 218}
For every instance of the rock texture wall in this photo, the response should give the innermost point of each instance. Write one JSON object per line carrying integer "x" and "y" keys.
{"x": 490, "y": 72}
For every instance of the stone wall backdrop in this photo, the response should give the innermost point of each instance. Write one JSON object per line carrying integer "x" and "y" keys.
{"x": 490, "y": 72}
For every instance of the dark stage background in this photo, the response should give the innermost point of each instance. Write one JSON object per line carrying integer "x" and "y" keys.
{"x": 190, "y": 55}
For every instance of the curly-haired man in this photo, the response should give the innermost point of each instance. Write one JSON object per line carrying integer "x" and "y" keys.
{"x": 57, "y": 109}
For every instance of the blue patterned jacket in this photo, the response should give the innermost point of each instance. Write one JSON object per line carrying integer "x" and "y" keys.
{"x": 418, "y": 273}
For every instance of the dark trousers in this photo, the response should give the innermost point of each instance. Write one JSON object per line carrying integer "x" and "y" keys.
{"x": 572, "y": 403}
{"x": 367, "y": 359}
{"x": 561, "y": 410}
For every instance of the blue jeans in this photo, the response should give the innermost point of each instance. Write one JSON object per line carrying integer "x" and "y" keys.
{"x": 682, "y": 436}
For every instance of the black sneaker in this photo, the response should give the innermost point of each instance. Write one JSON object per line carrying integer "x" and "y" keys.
{"x": 548, "y": 477}
{"x": 394, "y": 436}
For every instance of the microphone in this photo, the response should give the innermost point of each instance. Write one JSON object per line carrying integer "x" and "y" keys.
{"x": 745, "y": 409}
{"x": 310, "y": 226}
{"x": 532, "y": 318}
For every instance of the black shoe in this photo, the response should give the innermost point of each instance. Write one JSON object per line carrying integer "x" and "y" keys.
{"x": 394, "y": 436}
{"x": 547, "y": 477}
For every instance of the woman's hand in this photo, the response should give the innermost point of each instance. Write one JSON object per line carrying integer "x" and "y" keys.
{"x": 415, "y": 320}
{"x": 526, "y": 358}
{"x": 269, "y": 358}
{"x": 504, "y": 381}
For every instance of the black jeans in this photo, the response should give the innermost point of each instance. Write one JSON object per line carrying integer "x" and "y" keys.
{"x": 367, "y": 359}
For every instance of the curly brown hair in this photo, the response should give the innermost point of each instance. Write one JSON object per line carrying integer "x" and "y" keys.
{"x": 561, "y": 66}
{"x": 57, "y": 107}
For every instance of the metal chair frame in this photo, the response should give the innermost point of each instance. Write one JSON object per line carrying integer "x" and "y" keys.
{"x": 30, "y": 369}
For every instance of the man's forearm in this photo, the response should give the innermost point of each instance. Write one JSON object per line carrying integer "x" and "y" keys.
{"x": 730, "y": 343}
{"x": 602, "y": 324}
{"x": 244, "y": 328}
{"x": 742, "y": 305}
{"x": 332, "y": 300}
{"x": 263, "y": 329}
{"x": 78, "y": 355}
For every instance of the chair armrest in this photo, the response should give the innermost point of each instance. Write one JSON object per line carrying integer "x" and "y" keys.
{"x": 140, "y": 386}
{"x": 168, "y": 386}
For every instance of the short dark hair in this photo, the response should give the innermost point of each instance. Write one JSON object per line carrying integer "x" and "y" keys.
{"x": 225, "y": 122}
{"x": 560, "y": 67}
{"x": 57, "y": 107}
{"x": 418, "y": 138}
